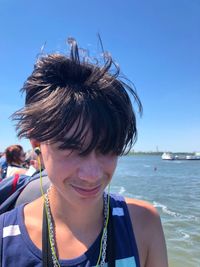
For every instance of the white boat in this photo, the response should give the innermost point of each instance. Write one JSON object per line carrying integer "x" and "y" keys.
{"x": 192, "y": 157}
{"x": 168, "y": 156}
{"x": 171, "y": 156}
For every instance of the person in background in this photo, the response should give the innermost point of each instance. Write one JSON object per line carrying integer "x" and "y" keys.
{"x": 15, "y": 158}
{"x": 3, "y": 166}
{"x": 31, "y": 163}
{"x": 79, "y": 117}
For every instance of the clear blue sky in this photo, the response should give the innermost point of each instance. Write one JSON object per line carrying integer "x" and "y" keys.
{"x": 156, "y": 43}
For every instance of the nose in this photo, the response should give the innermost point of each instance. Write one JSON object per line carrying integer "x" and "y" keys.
{"x": 90, "y": 169}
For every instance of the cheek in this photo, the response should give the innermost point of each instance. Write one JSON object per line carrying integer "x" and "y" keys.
{"x": 57, "y": 168}
{"x": 48, "y": 161}
{"x": 49, "y": 167}
{"x": 110, "y": 164}
{"x": 54, "y": 170}
{"x": 53, "y": 167}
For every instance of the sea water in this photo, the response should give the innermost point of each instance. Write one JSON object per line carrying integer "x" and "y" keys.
{"x": 173, "y": 187}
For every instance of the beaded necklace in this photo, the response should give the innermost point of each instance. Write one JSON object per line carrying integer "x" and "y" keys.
{"x": 103, "y": 243}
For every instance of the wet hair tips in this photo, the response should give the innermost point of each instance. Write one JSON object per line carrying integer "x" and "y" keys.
{"x": 69, "y": 98}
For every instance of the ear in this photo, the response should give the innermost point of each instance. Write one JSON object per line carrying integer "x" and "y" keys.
{"x": 34, "y": 143}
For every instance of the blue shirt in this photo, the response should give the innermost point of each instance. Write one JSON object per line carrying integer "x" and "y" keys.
{"x": 2, "y": 161}
{"x": 3, "y": 167}
{"x": 19, "y": 250}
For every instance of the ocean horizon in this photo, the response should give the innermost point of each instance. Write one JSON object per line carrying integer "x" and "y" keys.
{"x": 173, "y": 187}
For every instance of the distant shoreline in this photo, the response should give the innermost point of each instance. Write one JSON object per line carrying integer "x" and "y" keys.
{"x": 157, "y": 153}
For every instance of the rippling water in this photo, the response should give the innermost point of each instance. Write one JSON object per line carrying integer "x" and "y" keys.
{"x": 173, "y": 187}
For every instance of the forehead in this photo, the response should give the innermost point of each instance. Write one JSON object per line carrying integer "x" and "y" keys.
{"x": 79, "y": 133}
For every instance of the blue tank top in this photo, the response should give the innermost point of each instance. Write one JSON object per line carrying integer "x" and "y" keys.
{"x": 19, "y": 250}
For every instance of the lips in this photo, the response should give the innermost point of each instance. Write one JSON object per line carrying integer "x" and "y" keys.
{"x": 87, "y": 192}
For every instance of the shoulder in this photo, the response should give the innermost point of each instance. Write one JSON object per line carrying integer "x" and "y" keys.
{"x": 145, "y": 220}
{"x": 148, "y": 232}
{"x": 11, "y": 212}
{"x": 139, "y": 210}
{"x": 144, "y": 217}
{"x": 33, "y": 214}
{"x": 143, "y": 211}
{"x": 12, "y": 215}
{"x": 13, "y": 235}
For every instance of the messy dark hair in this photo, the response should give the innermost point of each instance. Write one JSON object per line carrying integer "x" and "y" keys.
{"x": 13, "y": 154}
{"x": 65, "y": 91}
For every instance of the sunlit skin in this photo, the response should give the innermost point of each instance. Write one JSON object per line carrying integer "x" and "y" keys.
{"x": 78, "y": 178}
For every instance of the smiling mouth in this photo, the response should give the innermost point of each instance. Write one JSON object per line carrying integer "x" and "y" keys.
{"x": 87, "y": 191}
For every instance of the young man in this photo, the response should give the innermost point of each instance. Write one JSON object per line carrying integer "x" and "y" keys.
{"x": 80, "y": 118}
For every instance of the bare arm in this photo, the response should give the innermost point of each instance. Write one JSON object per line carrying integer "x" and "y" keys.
{"x": 157, "y": 253}
{"x": 149, "y": 234}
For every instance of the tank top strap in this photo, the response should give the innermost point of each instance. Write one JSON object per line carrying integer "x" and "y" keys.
{"x": 126, "y": 248}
